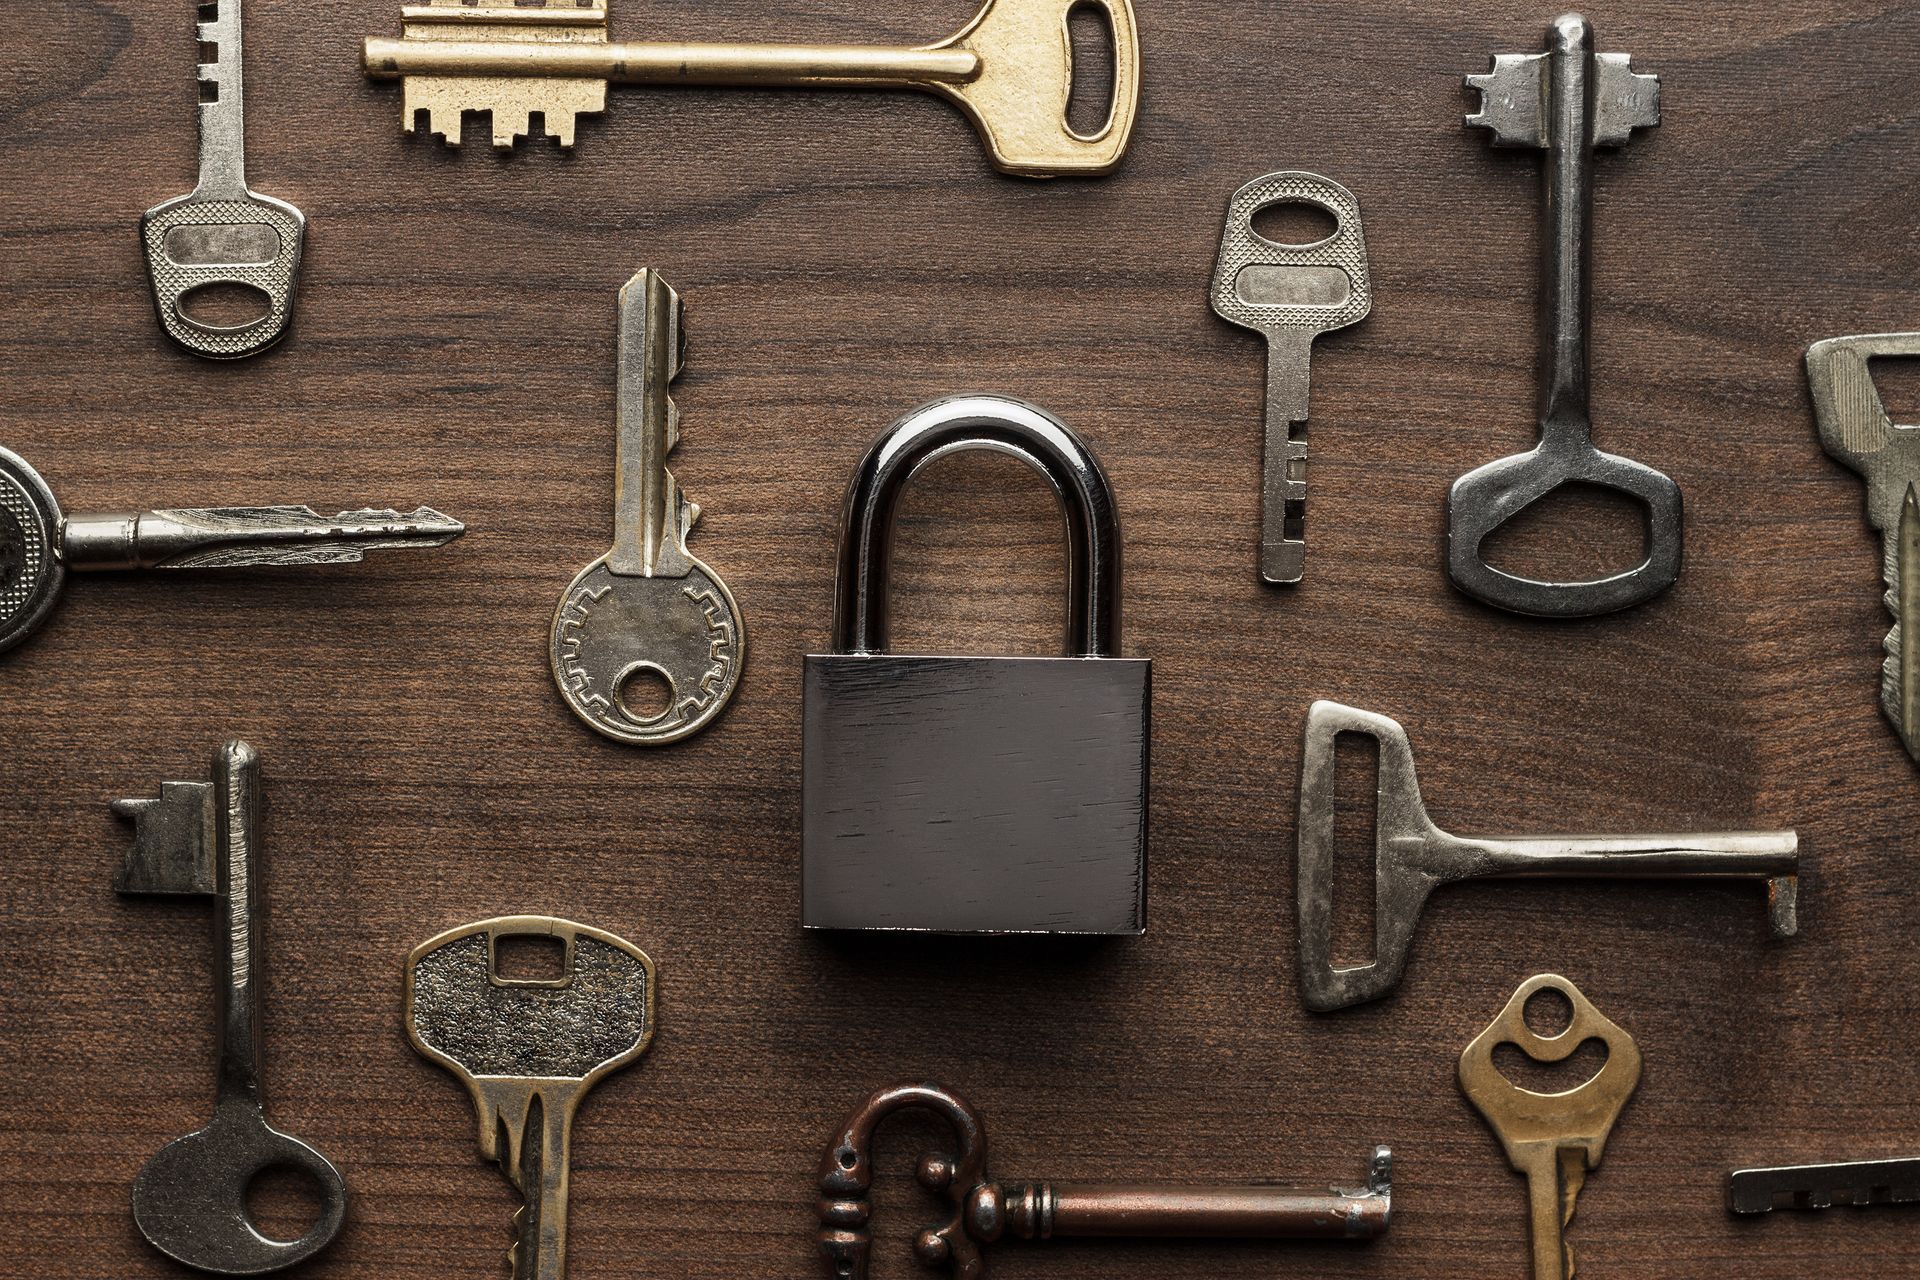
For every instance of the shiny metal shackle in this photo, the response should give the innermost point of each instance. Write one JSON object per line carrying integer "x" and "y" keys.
{"x": 956, "y": 425}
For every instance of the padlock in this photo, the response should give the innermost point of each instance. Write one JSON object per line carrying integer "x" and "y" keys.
{"x": 977, "y": 795}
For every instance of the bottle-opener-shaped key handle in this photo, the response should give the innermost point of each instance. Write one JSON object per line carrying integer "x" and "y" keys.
{"x": 986, "y": 1212}
{"x": 1552, "y": 1138}
{"x": 201, "y": 839}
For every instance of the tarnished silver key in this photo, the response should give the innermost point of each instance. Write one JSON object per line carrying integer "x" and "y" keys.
{"x": 39, "y": 545}
{"x": 528, "y": 1050}
{"x": 1292, "y": 294}
{"x": 648, "y": 610}
{"x": 1856, "y": 1183}
{"x": 222, "y": 234}
{"x": 1856, "y": 431}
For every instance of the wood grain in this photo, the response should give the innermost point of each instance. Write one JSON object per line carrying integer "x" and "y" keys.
{"x": 846, "y": 257}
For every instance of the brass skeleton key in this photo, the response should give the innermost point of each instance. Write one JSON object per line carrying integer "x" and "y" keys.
{"x": 1010, "y": 71}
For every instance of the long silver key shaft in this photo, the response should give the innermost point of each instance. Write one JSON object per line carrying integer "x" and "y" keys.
{"x": 222, "y": 234}
{"x": 39, "y": 545}
{"x": 648, "y": 609}
{"x": 1859, "y": 1183}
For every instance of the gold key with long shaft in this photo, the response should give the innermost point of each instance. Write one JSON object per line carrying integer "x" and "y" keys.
{"x": 1553, "y": 1139}
{"x": 1010, "y": 70}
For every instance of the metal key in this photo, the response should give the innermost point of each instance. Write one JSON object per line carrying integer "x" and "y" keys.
{"x": 528, "y": 1050}
{"x": 1413, "y": 857}
{"x": 985, "y": 1212}
{"x": 222, "y": 233}
{"x": 1010, "y": 70}
{"x": 1292, "y": 294}
{"x": 1554, "y": 1139}
{"x": 39, "y": 546}
{"x": 1566, "y": 101}
{"x": 648, "y": 607}
{"x": 1858, "y": 1183}
{"x": 1856, "y": 431}
{"x": 202, "y": 840}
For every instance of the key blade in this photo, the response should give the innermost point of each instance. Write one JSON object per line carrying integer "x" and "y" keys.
{"x": 651, "y": 516}
{"x": 1623, "y": 100}
{"x": 173, "y": 842}
{"x": 1860, "y": 1183}
{"x": 1513, "y": 102}
{"x": 223, "y": 164}
{"x": 250, "y": 537}
{"x": 1900, "y": 675}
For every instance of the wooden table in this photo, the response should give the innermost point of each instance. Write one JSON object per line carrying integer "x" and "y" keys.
{"x": 846, "y": 257}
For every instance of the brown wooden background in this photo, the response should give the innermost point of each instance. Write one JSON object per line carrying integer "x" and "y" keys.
{"x": 845, "y": 258}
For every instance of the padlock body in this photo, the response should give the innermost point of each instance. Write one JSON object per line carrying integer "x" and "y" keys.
{"x": 976, "y": 795}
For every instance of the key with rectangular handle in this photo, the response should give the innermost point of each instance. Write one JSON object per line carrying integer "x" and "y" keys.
{"x": 1292, "y": 294}
{"x": 985, "y": 1212}
{"x": 1413, "y": 857}
{"x": 528, "y": 1050}
{"x": 1010, "y": 70}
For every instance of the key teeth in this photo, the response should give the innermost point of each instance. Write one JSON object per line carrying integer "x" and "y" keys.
{"x": 1625, "y": 100}
{"x": 1511, "y": 100}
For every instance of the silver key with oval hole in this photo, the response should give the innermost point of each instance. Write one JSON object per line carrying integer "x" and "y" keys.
{"x": 222, "y": 234}
{"x": 648, "y": 611}
{"x": 1292, "y": 294}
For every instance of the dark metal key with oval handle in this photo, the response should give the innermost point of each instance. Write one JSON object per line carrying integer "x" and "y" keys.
{"x": 985, "y": 1212}
{"x": 202, "y": 839}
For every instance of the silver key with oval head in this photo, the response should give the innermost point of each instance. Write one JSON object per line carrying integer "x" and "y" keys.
{"x": 648, "y": 608}
{"x": 528, "y": 1050}
{"x": 222, "y": 233}
{"x": 1292, "y": 294}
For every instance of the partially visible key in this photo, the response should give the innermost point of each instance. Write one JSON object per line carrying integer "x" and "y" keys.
{"x": 528, "y": 1050}
{"x": 39, "y": 546}
{"x": 222, "y": 233}
{"x": 1857, "y": 431}
{"x": 202, "y": 840}
{"x": 1554, "y": 1140}
{"x": 1857, "y": 1183}
{"x": 648, "y": 610}
{"x": 1292, "y": 294}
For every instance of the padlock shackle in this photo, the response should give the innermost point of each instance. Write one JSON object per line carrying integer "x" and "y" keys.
{"x": 956, "y": 425}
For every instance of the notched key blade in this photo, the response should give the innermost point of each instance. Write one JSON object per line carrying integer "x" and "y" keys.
{"x": 1513, "y": 100}
{"x": 270, "y": 537}
{"x": 173, "y": 842}
{"x": 1858, "y": 1184}
{"x": 1623, "y": 100}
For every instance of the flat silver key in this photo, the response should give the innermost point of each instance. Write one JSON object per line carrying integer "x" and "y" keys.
{"x": 528, "y": 1050}
{"x": 39, "y": 545}
{"x": 1292, "y": 294}
{"x": 648, "y": 609}
{"x": 222, "y": 234}
{"x": 1857, "y": 431}
{"x": 1857, "y": 1183}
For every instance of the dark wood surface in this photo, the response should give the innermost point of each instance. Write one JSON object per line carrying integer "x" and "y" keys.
{"x": 844, "y": 258}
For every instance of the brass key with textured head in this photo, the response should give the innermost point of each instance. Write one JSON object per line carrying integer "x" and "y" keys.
{"x": 1010, "y": 70}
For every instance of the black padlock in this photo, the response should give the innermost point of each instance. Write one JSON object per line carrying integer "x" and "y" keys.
{"x": 977, "y": 795}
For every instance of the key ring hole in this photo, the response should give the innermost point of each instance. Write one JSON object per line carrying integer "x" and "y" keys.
{"x": 1574, "y": 1071}
{"x": 284, "y": 1203}
{"x": 223, "y": 307}
{"x": 645, "y": 692}
{"x": 1295, "y": 222}
{"x": 1574, "y": 532}
{"x": 1091, "y": 97}
{"x": 1548, "y": 1013}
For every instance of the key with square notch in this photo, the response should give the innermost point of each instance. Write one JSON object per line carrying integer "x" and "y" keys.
{"x": 1855, "y": 1183}
{"x": 648, "y": 607}
{"x": 202, "y": 840}
{"x": 1413, "y": 857}
{"x": 1556, "y": 1139}
{"x": 528, "y": 1049}
{"x": 1567, "y": 101}
{"x": 222, "y": 233}
{"x": 39, "y": 545}
{"x": 1292, "y": 294}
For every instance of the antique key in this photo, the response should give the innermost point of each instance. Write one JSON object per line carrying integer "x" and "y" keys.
{"x": 1553, "y": 1139}
{"x": 1856, "y": 431}
{"x": 986, "y": 1212}
{"x": 1859, "y": 1183}
{"x": 648, "y": 608}
{"x": 1010, "y": 71}
{"x": 39, "y": 546}
{"x": 1413, "y": 857}
{"x": 528, "y": 1049}
{"x": 1292, "y": 294}
{"x": 222, "y": 233}
{"x": 1566, "y": 101}
{"x": 202, "y": 840}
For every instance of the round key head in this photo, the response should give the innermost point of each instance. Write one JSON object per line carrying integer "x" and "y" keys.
{"x": 31, "y": 574}
{"x": 614, "y": 635}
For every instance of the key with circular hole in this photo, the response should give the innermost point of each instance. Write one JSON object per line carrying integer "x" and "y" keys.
{"x": 39, "y": 545}
{"x": 528, "y": 1049}
{"x": 202, "y": 840}
{"x": 1567, "y": 101}
{"x": 1553, "y": 1139}
{"x": 1292, "y": 294}
{"x": 222, "y": 234}
{"x": 648, "y": 610}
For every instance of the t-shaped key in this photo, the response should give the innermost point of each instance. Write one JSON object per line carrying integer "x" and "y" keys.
{"x": 985, "y": 1212}
{"x": 1566, "y": 101}
{"x": 202, "y": 840}
{"x": 1413, "y": 857}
